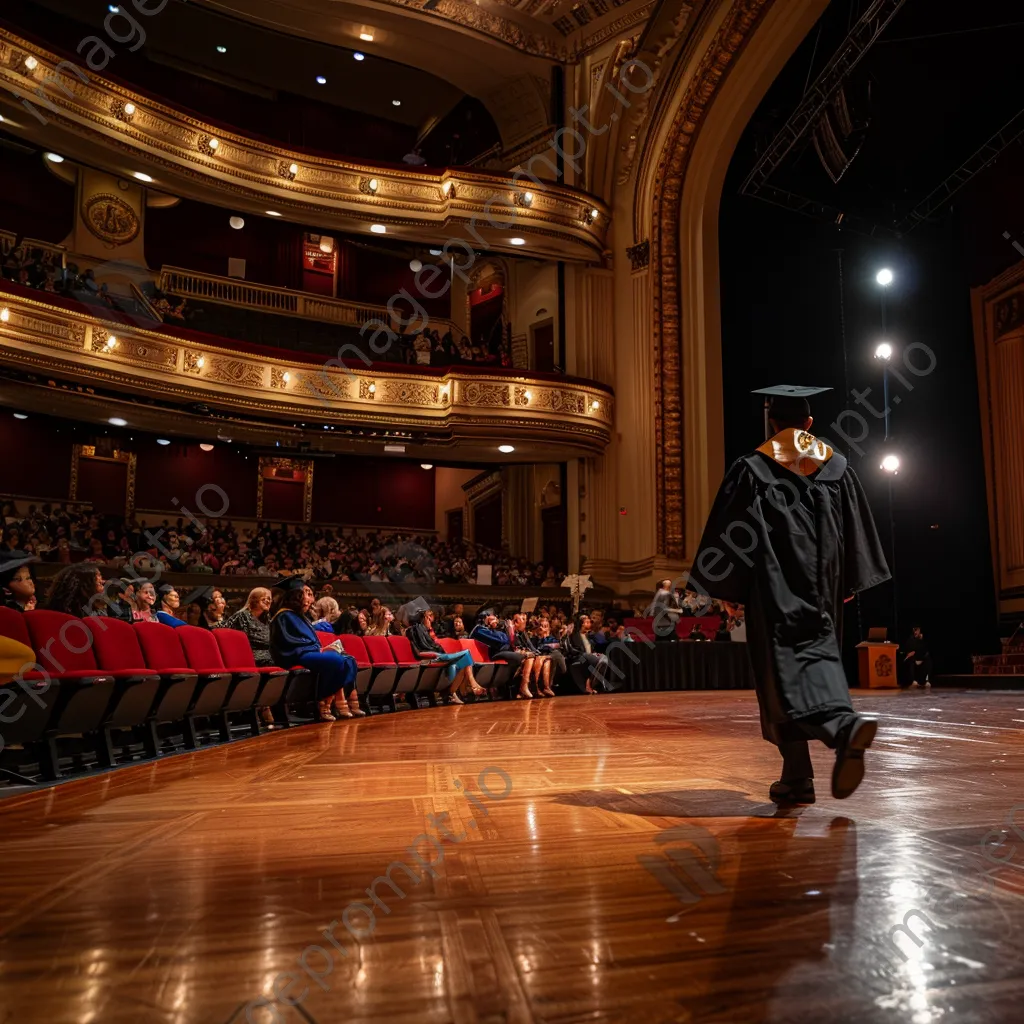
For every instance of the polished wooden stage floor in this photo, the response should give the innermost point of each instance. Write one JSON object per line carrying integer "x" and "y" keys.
{"x": 633, "y": 872}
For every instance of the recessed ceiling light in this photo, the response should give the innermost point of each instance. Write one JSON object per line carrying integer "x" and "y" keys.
{"x": 359, "y": 56}
{"x": 55, "y": 158}
{"x": 273, "y": 213}
{"x": 222, "y": 49}
{"x": 506, "y": 449}
{"x": 162, "y": 440}
{"x": 320, "y": 80}
{"x": 378, "y": 229}
{"x": 206, "y": 447}
{"x": 237, "y": 223}
{"x": 20, "y": 416}
{"x": 116, "y": 421}
{"x": 426, "y": 465}
{"x": 367, "y": 37}
{"x": 396, "y": 103}
{"x": 142, "y": 177}
{"x": 113, "y": 8}
{"x": 518, "y": 241}
{"x": 435, "y": 252}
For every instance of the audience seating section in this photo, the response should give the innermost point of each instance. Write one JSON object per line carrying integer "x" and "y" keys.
{"x": 99, "y": 683}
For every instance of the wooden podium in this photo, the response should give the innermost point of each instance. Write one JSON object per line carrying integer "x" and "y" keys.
{"x": 877, "y": 665}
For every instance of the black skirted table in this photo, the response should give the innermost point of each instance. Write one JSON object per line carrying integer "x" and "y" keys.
{"x": 682, "y": 665}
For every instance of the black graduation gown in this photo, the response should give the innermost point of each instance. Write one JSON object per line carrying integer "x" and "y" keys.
{"x": 791, "y": 548}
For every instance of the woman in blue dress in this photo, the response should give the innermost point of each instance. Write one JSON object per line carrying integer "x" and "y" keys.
{"x": 293, "y": 641}
{"x": 458, "y": 666}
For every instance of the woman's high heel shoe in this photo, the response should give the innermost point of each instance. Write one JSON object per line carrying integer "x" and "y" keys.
{"x": 353, "y": 706}
{"x": 326, "y": 715}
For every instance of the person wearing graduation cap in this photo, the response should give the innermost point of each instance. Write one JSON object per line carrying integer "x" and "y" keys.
{"x": 293, "y": 641}
{"x": 791, "y": 537}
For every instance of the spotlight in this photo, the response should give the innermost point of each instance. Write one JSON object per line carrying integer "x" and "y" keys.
{"x": 378, "y": 229}
{"x": 55, "y": 158}
{"x": 891, "y": 464}
{"x": 415, "y": 266}
{"x": 518, "y": 241}
{"x": 111, "y": 341}
{"x": 5, "y": 315}
{"x": 31, "y": 63}
{"x": 884, "y": 351}
{"x": 359, "y": 56}
{"x": 237, "y": 223}
{"x": 162, "y": 440}
{"x": 222, "y": 49}
{"x": 116, "y": 421}
{"x": 143, "y": 177}
{"x": 426, "y": 465}
{"x": 506, "y": 449}
{"x": 20, "y": 416}
{"x": 320, "y": 80}
{"x": 884, "y": 277}
{"x": 113, "y": 8}
{"x": 396, "y": 103}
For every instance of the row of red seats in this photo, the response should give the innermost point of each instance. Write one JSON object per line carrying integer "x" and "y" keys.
{"x": 100, "y": 675}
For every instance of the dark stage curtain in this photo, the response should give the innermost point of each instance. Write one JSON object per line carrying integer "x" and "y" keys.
{"x": 682, "y": 665}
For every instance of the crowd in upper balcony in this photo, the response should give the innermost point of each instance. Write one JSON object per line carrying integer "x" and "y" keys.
{"x": 56, "y": 533}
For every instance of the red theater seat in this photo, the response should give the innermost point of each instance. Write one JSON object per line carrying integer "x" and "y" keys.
{"x": 202, "y": 652}
{"x": 235, "y": 650}
{"x": 487, "y": 671}
{"x": 429, "y": 677}
{"x": 164, "y": 653}
{"x": 117, "y": 650}
{"x": 354, "y": 645}
{"x": 35, "y": 700}
{"x": 387, "y": 672}
{"x": 63, "y": 646}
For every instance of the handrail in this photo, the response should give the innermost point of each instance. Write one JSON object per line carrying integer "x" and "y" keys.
{"x": 140, "y": 298}
{"x": 268, "y": 298}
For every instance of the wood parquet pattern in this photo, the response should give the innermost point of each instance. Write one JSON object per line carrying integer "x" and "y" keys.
{"x": 634, "y": 872}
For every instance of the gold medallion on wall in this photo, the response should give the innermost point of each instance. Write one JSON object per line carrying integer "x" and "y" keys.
{"x": 110, "y": 219}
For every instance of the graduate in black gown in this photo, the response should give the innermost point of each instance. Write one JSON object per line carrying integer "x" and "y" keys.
{"x": 293, "y": 641}
{"x": 791, "y": 537}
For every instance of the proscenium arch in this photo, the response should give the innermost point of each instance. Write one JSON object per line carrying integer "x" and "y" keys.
{"x": 752, "y": 40}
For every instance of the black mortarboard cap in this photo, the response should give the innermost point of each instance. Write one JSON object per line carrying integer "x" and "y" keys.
{"x": 789, "y": 400}
{"x": 290, "y": 583}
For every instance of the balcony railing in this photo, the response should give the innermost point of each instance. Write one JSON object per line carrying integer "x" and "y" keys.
{"x": 230, "y": 291}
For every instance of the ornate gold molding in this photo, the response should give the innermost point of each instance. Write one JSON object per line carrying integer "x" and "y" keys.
{"x": 458, "y": 405}
{"x": 665, "y": 257}
{"x": 412, "y": 203}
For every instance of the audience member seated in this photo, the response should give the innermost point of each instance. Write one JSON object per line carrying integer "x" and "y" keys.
{"x": 145, "y": 599}
{"x": 351, "y": 622}
{"x": 326, "y": 613}
{"x": 254, "y": 621}
{"x": 120, "y": 599}
{"x": 211, "y": 609}
{"x": 383, "y": 621}
{"x": 293, "y": 641}
{"x": 537, "y": 666}
{"x": 17, "y": 584}
{"x": 423, "y": 639}
{"x": 550, "y": 646}
{"x": 77, "y": 590}
{"x": 587, "y": 665}
{"x": 499, "y": 640}
{"x": 169, "y": 605}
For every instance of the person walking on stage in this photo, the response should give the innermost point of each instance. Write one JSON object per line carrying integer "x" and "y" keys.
{"x": 790, "y": 536}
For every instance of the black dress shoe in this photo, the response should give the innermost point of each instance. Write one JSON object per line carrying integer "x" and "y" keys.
{"x": 789, "y": 794}
{"x": 849, "y": 769}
